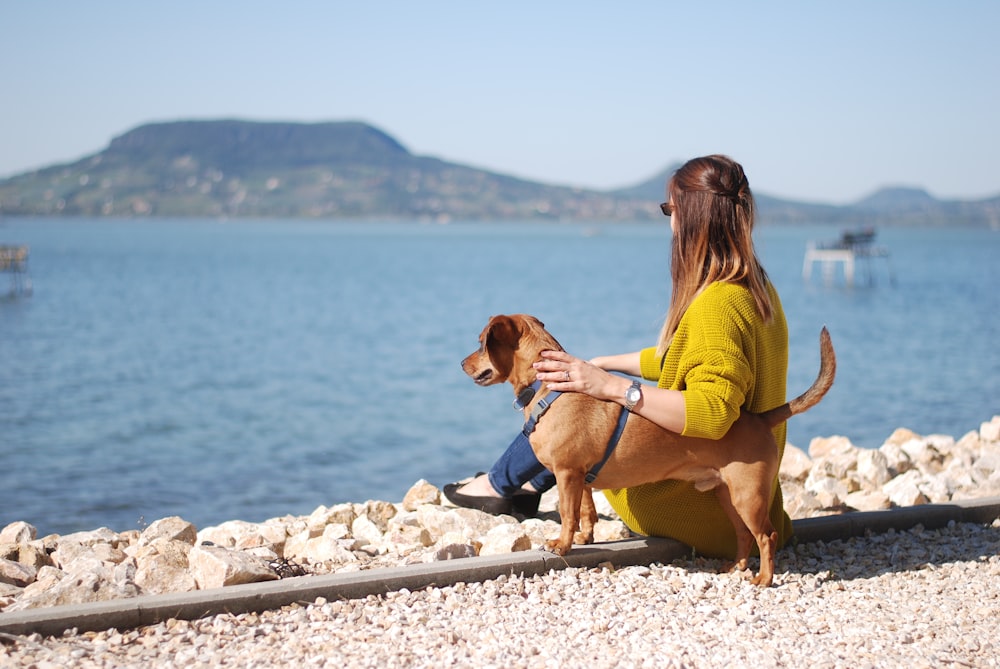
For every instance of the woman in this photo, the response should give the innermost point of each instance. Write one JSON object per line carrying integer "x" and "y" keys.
{"x": 723, "y": 348}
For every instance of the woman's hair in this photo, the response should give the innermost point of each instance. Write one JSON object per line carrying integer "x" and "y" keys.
{"x": 715, "y": 214}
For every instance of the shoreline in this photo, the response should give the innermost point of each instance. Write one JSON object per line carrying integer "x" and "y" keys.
{"x": 172, "y": 555}
{"x": 854, "y": 591}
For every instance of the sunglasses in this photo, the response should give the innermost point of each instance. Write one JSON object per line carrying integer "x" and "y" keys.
{"x": 667, "y": 208}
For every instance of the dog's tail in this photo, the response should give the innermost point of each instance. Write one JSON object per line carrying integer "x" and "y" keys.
{"x": 811, "y": 397}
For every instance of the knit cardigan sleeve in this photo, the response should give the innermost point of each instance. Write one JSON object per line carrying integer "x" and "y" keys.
{"x": 707, "y": 361}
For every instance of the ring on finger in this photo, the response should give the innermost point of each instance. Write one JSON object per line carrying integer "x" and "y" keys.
{"x": 567, "y": 374}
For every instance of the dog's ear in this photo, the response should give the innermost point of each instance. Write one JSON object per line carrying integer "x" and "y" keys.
{"x": 499, "y": 341}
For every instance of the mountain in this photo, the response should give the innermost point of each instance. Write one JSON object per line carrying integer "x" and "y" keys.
{"x": 234, "y": 168}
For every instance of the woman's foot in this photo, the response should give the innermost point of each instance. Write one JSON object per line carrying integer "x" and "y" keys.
{"x": 480, "y": 494}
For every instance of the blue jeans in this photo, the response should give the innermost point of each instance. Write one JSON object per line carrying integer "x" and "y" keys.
{"x": 517, "y": 466}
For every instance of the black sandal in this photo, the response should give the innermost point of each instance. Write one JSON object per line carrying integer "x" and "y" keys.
{"x": 523, "y": 503}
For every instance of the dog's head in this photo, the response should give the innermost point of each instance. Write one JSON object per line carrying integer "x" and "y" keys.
{"x": 508, "y": 345}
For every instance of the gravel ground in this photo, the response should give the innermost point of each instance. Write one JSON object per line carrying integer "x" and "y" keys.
{"x": 922, "y": 598}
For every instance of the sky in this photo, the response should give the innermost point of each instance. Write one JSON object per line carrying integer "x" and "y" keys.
{"x": 820, "y": 101}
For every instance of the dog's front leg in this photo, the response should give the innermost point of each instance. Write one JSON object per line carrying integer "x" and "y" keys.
{"x": 588, "y": 517}
{"x": 571, "y": 486}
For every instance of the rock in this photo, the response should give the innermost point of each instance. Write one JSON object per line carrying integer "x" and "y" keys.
{"x": 926, "y": 453}
{"x": 873, "y": 468}
{"x": 96, "y": 585}
{"x": 610, "y": 530}
{"x": 366, "y": 531}
{"x": 864, "y": 500}
{"x": 163, "y": 566}
{"x": 505, "y": 539}
{"x": 469, "y": 523}
{"x": 795, "y": 464}
{"x": 454, "y": 552}
{"x": 341, "y": 514}
{"x": 378, "y": 512}
{"x": 173, "y": 528}
{"x": 18, "y": 532}
{"x": 896, "y": 458}
{"x": 901, "y": 436}
{"x": 990, "y": 431}
{"x": 904, "y": 490}
{"x": 829, "y": 491}
{"x": 825, "y": 446}
{"x": 405, "y": 534}
{"x": 34, "y": 555}
{"x": 101, "y": 535}
{"x": 333, "y": 545}
{"x": 243, "y": 535}
{"x": 215, "y": 567}
{"x": 419, "y": 494}
{"x": 17, "y": 574}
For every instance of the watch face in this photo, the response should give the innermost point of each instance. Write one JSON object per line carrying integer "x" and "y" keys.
{"x": 633, "y": 395}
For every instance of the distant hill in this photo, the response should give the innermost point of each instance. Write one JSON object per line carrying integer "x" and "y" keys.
{"x": 233, "y": 169}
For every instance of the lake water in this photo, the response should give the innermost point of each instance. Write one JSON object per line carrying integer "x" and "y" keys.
{"x": 253, "y": 369}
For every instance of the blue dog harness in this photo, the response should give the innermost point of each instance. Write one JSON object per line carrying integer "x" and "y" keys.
{"x": 526, "y": 395}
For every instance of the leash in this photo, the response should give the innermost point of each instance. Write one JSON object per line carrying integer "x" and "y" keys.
{"x": 525, "y": 397}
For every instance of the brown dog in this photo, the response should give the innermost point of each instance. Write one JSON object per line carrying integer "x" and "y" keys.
{"x": 574, "y": 432}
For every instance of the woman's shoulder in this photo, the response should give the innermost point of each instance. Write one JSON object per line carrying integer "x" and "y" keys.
{"x": 722, "y": 293}
{"x": 722, "y": 301}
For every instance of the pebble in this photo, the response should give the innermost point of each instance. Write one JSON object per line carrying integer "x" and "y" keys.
{"x": 920, "y": 598}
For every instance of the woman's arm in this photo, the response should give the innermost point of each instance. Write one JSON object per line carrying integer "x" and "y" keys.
{"x": 563, "y": 372}
{"x": 626, "y": 363}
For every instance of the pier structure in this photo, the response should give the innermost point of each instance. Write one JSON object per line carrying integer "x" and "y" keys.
{"x": 14, "y": 261}
{"x": 854, "y": 249}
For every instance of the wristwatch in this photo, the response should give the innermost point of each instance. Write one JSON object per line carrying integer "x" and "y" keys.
{"x": 633, "y": 395}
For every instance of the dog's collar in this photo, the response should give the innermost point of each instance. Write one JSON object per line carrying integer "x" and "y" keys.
{"x": 525, "y": 397}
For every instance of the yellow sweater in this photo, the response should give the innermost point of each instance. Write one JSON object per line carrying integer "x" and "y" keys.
{"x": 724, "y": 358}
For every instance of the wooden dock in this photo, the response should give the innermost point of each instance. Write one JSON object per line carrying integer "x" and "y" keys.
{"x": 853, "y": 249}
{"x": 14, "y": 261}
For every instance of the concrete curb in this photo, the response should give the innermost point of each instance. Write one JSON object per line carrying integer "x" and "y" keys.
{"x": 152, "y": 609}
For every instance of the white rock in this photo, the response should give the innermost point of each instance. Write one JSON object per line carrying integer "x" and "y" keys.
{"x": 366, "y": 531}
{"x": 468, "y": 523}
{"x": 164, "y": 567}
{"x": 795, "y": 464}
{"x": 610, "y": 530}
{"x": 215, "y": 567}
{"x": 18, "y": 532}
{"x": 378, "y": 512}
{"x": 868, "y": 500}
{"x": 102, "y": 535}
{"x": 172, "y": 528}
{"x": 990, "y": 431}
{"x": 419, "y": 494}
{"x": 830, "y": 492}
{"x": 328, "y": 547}
{"x": 904, "y": 490}
{"x": 340, "y": 514}
{"x": 825, "y": 446}
{"x": 873, "y": 468}
{"x": 896, "y": 458}
{"x": 80, "y": 588}
{"x": 15, "y": 573}
{"x": 505, "y": 539}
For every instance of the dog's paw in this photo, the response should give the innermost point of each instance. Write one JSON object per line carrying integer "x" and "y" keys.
{"x": 583, "y": 538}
{"x": 556, "y": 548}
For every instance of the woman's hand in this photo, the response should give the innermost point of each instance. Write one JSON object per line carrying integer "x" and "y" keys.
{"x": 563, "y": 372}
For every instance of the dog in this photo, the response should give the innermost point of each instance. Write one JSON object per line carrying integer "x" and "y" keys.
{"x": 573, "y": 434}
